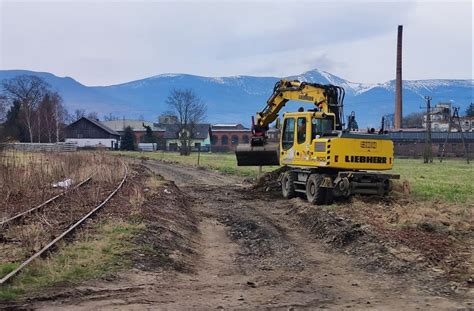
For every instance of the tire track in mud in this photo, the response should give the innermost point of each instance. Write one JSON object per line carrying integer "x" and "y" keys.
{"x": 279, "y": 254}
{"x": 253, "y": 255}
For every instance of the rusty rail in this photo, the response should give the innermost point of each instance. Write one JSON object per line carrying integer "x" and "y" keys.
{"x": 7, "y": 277}
{"x": 33, "y": 209}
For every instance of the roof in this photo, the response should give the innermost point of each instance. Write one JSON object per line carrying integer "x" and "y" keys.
{"x": 201, "y": 131}
{"x": 99, "y": 124}
{"x": 136, "y": 125}
{"x": 227, "y": 124}
{"x": 229, "y": 127}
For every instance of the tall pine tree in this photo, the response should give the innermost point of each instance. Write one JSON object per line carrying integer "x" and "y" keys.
{"x": 13, "y": 127}
{"x": 470, "y": 110}
{"x": 128, "y": 139}
{"x": 148, "y": 137}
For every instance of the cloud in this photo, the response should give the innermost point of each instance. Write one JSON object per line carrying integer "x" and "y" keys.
{"x": 106, "y": 42}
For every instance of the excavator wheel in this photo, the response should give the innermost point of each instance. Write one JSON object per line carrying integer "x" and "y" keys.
{"x": 288, "y": 185}
{"x": 316, "y": 194}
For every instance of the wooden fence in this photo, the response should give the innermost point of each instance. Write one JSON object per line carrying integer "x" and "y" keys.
{"x": 40, "y": 147}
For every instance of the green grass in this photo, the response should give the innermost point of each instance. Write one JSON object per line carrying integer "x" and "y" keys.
{"x": 91, "y": 256}
{"x": 450, "y": 180}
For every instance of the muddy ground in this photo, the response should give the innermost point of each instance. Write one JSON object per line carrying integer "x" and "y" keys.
{"x": 219, "y": 243}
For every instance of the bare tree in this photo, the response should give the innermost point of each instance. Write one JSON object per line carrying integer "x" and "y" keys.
{"x": 29, "y": 92}
{"x": 3, "y": 113}
{"x": 3, "y": 108}
{"x": 189, "y": 110}
{"x": 78, "y": 113}
{"x": 413, "y": 120}
{"x": 93, "y": 115}
{"x": 110, "y": 117}
{"x": 389, "y": 123}
{"x": 53, "y": 116}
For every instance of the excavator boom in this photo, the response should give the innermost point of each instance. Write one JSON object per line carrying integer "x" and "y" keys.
{"x": 325, "y": 98}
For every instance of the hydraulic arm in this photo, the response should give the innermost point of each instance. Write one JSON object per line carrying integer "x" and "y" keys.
{"x": 326, "y": 98}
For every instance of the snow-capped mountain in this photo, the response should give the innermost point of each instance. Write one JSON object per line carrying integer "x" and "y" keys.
{"x": 234, "y": 99}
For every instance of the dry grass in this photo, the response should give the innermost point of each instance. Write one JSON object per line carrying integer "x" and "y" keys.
{"x": 439, "y": 231}
{"x": 25, "y": 181}
{"x": 26, "y": 178}
{"x": 401, "y": 210}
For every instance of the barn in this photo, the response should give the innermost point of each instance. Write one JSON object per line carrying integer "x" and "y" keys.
{"x": 87, "y": 132}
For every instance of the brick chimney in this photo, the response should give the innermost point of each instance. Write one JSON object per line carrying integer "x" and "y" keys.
{"x": 398, "y": 84}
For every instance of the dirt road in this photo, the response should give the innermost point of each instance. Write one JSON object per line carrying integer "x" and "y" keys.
{"x": 251, "y": 254}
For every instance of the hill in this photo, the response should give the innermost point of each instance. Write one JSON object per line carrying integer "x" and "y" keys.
{"x": 234, "y": 99}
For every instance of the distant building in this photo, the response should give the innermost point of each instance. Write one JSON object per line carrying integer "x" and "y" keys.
{"x": 201, "y": 136}
{"x": 273, "y": 135}
{"x": 440, "y": 116}
{"x": 411, "y": 143}
{"x": 137, "y": 126}
{"x": 226, "y": 137}
{"x": 87, "y": 132}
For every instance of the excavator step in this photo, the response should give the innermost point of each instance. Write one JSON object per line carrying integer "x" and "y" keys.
{"x": 257, "y": 155}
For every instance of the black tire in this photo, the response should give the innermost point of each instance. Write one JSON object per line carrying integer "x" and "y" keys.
{"x": 314, "y": 193}
{"x": 387, "y": 186}
{"x": 288, "y": 185}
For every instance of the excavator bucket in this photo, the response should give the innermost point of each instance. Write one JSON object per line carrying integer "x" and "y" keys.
{"x": 257, "y": 155}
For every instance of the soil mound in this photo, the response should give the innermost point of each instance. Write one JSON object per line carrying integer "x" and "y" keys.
{"x": 269, "y": 181}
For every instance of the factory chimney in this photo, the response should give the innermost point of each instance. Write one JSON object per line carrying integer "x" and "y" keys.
{"x": 397, "y": 120}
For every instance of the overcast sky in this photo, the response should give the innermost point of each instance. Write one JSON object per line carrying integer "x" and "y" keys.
{"x": 108, "y": 42}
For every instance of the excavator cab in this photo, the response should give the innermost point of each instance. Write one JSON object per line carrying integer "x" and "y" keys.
{"x": 297, "y": 135}
{"x": 300, "y": 132}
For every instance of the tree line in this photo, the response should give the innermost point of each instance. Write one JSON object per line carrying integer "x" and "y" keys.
{"x": 30, "y": 111}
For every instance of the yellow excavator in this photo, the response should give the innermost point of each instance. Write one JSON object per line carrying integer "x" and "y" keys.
{"x": 324, "y": 159}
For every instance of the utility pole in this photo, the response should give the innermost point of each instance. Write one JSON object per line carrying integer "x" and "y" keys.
{"x": 450, "y": 126}
{"x": 199, "y": 153}
{"x": 428, "y": 154}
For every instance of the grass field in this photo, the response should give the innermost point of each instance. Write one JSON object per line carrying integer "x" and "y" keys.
{"x": 450, "y": 180}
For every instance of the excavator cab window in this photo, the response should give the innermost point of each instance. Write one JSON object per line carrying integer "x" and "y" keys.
{"x": 321, "y": 126}
{"x": 301, "y": 130}
{"x": 288, "y": 134}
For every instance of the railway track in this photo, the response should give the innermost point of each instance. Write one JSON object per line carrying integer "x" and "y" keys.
{"x": 70, "y": 229}
{"x": 42, "y": 205}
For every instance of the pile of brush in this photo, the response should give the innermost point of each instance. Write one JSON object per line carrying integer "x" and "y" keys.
{"x": 270, "y": 181}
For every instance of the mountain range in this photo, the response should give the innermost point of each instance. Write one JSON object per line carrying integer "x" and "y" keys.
{"x": 235, "y": 99}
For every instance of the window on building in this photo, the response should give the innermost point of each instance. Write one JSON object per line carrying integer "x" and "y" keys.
{"x": 234, "y": 139}
{"x": 245, "y": 139}
{"x": 214, "y": 139}
{"x": 288, "y": 133}
{"x": 224, "y": 140}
